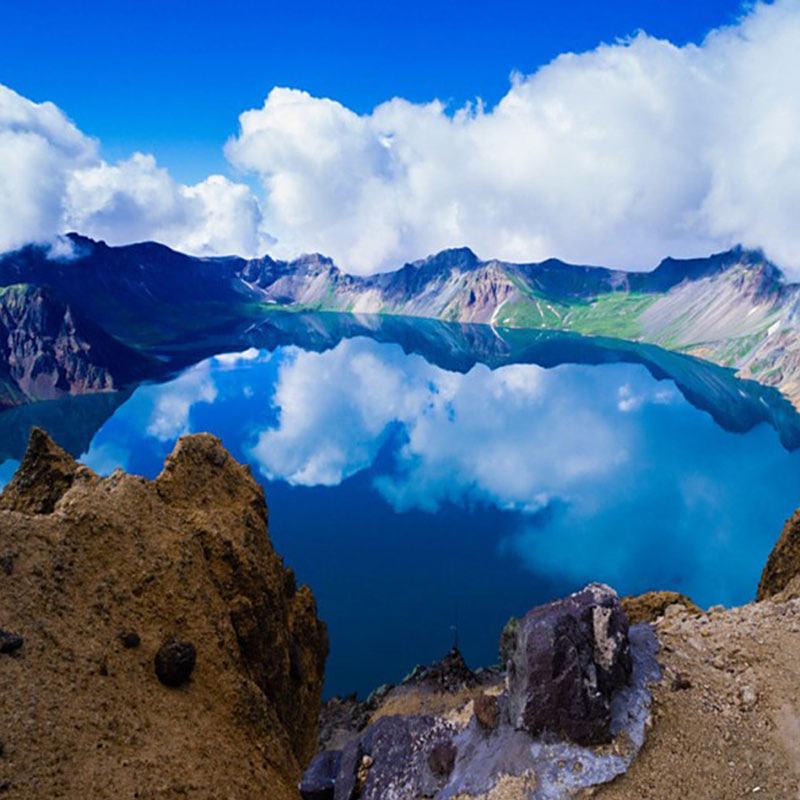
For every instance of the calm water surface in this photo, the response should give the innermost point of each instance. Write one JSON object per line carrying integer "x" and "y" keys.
{"x": 417, "y": 501}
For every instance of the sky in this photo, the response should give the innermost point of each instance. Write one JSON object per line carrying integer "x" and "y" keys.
{"x": 614, "y": 133}
{"x": 172, "y": 77}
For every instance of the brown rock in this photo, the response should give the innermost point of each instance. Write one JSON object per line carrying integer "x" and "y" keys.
{"x": 789, "y": 592}
{"x": 783, "y": 563}
{"x": 43, "y": 477}
{"x": 648, "y": 607}
{"x": 186, "y": 555}
{"x": 486, "y": 711}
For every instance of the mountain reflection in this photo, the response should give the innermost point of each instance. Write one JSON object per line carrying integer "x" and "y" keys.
{"x": 398, "y": 458}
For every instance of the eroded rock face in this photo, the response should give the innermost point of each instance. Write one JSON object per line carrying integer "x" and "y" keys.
{"x": 185, "y": 557}
{"x": 47, "y": 351}
{"x": 570, "y": 657}
{"x": 783, "y": 564}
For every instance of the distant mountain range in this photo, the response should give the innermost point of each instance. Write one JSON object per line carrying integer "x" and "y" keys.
{"x": 734, "y": 309}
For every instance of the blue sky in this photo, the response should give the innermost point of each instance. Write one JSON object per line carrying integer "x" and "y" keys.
{"x": 380, "y": 133}
{"x": 171, "y": 77}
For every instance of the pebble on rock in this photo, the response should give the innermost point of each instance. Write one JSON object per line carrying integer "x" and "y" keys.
{"x": 174, "y": 662}
{"x": 10, "y": 642}
{"x": 130, "y": 639}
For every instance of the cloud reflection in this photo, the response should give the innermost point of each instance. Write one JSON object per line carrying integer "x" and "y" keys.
{"x": 487, "y": 436}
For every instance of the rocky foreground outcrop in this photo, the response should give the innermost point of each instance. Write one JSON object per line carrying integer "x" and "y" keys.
{"x": 566, "y": 712}
{"x": 153, "y": 645}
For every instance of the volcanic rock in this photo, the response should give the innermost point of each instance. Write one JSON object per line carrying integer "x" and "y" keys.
{"x": 442, "y": 759}
{"x": 392, "y": 759}
{"x": 10, "y": 642}
{"x": 571, "y": 656}
{"x": 188, "y": 556}
{"x": 174, "y": 662}
{"x": 319, "y": 779}
{"x": 449, "y": 674}
{"x": 486, "y": 711}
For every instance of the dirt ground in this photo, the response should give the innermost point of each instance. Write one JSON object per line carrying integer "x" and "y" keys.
{"x": 726, "y": 716}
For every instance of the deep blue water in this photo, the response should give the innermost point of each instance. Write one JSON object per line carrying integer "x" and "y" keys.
{"x": 416, "y": 501}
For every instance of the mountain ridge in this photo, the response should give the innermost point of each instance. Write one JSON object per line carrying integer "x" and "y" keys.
{"x": 733, "y": 308}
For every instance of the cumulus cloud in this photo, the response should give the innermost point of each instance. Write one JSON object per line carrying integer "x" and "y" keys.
{"x": 39, "y": 149}
{"x": 461, "y": 434}
{"x": 136, "y": 199}
{"x": 54, "y": 180}
{"x": 620, "y": 156}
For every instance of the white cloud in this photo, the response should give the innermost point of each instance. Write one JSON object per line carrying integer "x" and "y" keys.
{"x": 39, "y": 148}
{"x": 629, "y": 400}
{"x": 136, "y": 199}
{"x": 462, "y": 433}
{"x": 620, "y": 155}
{"x": 53, "y": 180}
{"x": 173, "y": 402}
{"x": 335, "y": 409}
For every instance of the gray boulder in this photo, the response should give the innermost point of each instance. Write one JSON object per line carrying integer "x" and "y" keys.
{"x": 569, "y": 658}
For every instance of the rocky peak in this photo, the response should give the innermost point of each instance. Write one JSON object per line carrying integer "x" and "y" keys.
{"x": 45, "y": 474}
{"x": 671, "y": 271}
{"x": 783, "y": 564}
{"x": 460, "y": 258}
{"x": 165, "y": 649}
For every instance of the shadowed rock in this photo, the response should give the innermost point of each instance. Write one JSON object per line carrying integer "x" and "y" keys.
{"x": 570, "y": 658}
{"x": 449, "y": 674}
{"x": 442, "y": 759}
{"x": 392, "y": 759}
{"x": 10, "y": 642}
{"x": 319, "y": 779}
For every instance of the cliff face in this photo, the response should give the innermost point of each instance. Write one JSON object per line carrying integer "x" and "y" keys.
{"x": 96, "y": 575}
{"x": 781, "y": 573}
{"x": 47, "y": 351}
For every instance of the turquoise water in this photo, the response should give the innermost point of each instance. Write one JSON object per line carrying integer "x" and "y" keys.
{"x": 419, "y": 500}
